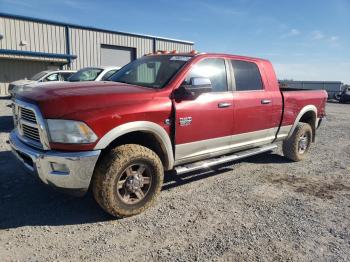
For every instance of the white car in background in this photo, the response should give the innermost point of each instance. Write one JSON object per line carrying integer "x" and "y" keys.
{"x": 101, "y": 73}
{"x": 44, "y": 76}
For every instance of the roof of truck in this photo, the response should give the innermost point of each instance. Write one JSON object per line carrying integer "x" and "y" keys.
{"x": 195, "y": 53}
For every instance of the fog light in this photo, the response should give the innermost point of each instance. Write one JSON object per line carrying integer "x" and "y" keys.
{"x": 59, "y": 168}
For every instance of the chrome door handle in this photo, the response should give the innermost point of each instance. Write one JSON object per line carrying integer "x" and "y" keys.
{"x": 265, "y": 101}
{"x": 224, "y": 105}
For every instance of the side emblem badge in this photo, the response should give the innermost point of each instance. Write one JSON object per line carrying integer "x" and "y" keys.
{"x": 185, "y": 121}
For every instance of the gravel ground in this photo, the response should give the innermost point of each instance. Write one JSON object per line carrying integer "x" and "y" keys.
{"x": 263, "y": 208}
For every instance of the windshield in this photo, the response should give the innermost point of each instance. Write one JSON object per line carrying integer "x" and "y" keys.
{"x": 150, "y": 71}
{"x": 39, "y": 75}
{"x": 85, "y": 74}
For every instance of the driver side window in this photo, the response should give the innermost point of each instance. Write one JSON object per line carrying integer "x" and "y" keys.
{"x": 212, "y": 68}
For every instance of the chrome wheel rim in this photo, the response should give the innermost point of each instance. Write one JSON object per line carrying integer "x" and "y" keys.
{"x": 303, "y": 143}
{"x": 134, "y": 183}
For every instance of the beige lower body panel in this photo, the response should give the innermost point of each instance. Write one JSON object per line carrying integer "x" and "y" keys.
{"x": 199, "y": 150}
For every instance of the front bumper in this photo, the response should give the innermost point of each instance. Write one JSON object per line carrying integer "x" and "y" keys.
{"x": 70, "y": 171}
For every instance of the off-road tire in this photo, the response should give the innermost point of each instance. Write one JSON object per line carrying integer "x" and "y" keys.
{"x": 111, "y": 167}
{"x": 291, "y": 145}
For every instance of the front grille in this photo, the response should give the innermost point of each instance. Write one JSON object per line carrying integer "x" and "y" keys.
{"x": 28, "y": 115}
{"x": 30, "y": 132}
{"x": 27, "y": 119}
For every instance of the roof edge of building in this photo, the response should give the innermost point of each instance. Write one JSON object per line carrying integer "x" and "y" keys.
{"x": 51, "y": 22}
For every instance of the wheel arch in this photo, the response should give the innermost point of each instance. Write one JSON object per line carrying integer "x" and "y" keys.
{"x": 308, "y": 114}
{"x": 145, "y": 133}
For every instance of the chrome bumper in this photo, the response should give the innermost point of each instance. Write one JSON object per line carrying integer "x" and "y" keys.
{"x": 70, "y": 171}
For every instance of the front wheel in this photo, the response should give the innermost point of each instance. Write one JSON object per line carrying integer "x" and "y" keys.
{"x": 127, "y": 180}
{"x": 298, "y": 144}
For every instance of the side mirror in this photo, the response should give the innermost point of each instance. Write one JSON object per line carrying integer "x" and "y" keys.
{"x": 196, "y": 87}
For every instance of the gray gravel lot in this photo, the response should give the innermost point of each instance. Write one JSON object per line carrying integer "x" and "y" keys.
{"x": 263, "y": 208}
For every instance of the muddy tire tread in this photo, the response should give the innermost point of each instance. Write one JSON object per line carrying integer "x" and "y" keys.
{"x": 112, "y": 162}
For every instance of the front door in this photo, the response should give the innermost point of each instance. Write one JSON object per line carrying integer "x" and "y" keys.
{"x": 204, "y": 125}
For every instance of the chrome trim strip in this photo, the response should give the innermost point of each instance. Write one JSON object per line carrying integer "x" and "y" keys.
{"x": 283, "y": 132}
{"x": 304, "y": 110}
{"x": 224, "y": 159}
{"x": 80, "y": 165}
{"x": 207, "y": 148}
{"x": 146, "y": 126}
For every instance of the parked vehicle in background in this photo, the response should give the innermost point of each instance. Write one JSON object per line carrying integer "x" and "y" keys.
{"x": 345, "y": 95}
{"x": 44, "y": 76}
{"x": 333, "y": 88}
{"x": 180, "y": 112}
{"x": 94, "y": 73}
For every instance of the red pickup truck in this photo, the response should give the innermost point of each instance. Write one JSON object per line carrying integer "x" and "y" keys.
{"x": 172, "y": 111}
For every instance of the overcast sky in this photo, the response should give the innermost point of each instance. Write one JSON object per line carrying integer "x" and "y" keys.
{"x": 305, "y": 39}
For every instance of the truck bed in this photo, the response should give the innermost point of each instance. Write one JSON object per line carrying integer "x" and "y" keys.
{"x": 295, "y": 100}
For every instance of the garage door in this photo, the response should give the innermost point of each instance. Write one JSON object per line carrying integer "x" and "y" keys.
{"x": 116, "y": 55}
{"x": 12, "y": 70}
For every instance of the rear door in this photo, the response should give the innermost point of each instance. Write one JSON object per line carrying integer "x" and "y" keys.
{"x": 204, "y": 125}
{"x": 253, "y": 108}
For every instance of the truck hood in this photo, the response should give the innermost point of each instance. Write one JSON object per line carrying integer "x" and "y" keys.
{"x": 66, "y": 98}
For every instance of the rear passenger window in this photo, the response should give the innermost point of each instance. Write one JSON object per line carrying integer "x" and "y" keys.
{"x": 212, "y": 68}
{"x": 247, "y": 76}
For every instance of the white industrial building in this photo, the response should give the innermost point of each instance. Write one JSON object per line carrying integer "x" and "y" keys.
{"x": 29, "y": 45}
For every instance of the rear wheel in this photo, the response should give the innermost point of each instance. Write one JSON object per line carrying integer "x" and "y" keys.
{"x": 297, "y": 145}
{"x": 127, "y": 180}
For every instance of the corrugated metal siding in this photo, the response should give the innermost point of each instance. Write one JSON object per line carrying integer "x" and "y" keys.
{"x": 50, "y": 37}
{"x": 12, "y": 70}
{"x": 39, "y": 37}
{"x": 169, "y": 45}
{"x": 86, "y": 45}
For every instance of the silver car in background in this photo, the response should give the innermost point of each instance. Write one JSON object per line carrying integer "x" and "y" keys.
{"x": 43, "y": 76}
{"x": 101, "y": 73}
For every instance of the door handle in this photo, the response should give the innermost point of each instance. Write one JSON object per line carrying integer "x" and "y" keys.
{"x": 265, "y": 101}
{"x": 224, "y": 105}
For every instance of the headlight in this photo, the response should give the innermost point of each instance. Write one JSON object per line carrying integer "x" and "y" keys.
{"x": 70, "y": 132}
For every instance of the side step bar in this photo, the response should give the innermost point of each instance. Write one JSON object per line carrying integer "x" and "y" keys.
{"x": 221, "y": 160}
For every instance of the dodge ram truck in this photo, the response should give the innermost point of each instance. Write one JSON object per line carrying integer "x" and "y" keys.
{"x": 177, "y": 112}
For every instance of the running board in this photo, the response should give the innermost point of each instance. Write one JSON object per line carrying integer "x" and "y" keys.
{"x": 224, "y": 159}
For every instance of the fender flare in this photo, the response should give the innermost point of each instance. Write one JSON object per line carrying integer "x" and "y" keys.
{"x": 145, "y": 126}
{"x": 303, "y": 111}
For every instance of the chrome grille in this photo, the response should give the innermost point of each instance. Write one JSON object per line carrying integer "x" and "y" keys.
{"x": 28, "y": 115}
{"x": 30, "y": 124}
{"x": 30, "y": 132}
